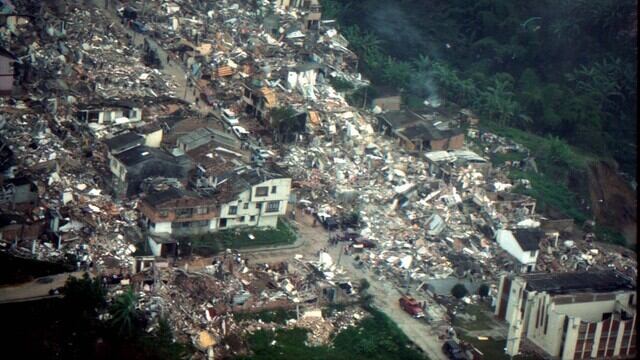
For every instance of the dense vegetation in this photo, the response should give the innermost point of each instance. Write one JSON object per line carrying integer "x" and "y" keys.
{"x": 564, "y": 68}
{"x": 15, "y": 270}
{"x": 68, "y": 328}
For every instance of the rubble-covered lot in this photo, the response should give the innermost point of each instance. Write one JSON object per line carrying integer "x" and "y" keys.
{"x": 370, "y": 336}
{"x": 422, "y": 216}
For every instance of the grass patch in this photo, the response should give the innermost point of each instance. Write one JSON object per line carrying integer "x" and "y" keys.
{"x": 15, "y": 270}
{"x": 494, "y": 349}
{"x": 482, "y": 322}
{"x": 238, "y": 238}
{"x": 374, "y": 338}
{"x": 340, "y": 85}
{"x": 278, "y": 316}
{"x": 609, "y": 235}
{"x": 499, "y": 158}
{"x": 539, "y": 145}
{"x": 550, "y": 194}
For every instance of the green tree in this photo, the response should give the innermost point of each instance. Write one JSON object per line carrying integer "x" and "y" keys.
{"x": 285, "y": 123}
{"x": 124, "y": 313}
{"x": 497, "y": 102}
{"x": 459, "y": 291}
{"x": 364, "y": 285}
{"x": 606, "y": 82}
{"x": 396, "y": 73}
{"x": 164, "y": 334}
{"x": 85, "y": 294}
{"x": 367, "y": 346}
{"x": 468, "y": 91}
{"x": 483, "y": 290}
{"x": 422, "y": 63}
{"x": 332, "y": 9}
{"x": 558, "y": 152}
{"x": 446, "y": 78}
{"x": 361, "y": 42}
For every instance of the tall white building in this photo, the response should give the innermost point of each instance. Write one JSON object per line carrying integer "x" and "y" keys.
{"x": 578, "y": 315}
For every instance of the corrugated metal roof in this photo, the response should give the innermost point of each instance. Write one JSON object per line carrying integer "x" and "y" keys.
{"x": 314, "y": 118}
{"x": 270, "y": 96}
{"x": 225, "y": 71}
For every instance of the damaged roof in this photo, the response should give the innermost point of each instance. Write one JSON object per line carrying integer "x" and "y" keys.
{"x": 581, "y": 281}
{"x": 124, "y": 140}
{"x": 141, "y": 154}
{"x": 529, "y": 239}
{"x": 400, "y": 119}
{"x": 160, "y": 197}
{"x": 109, "y": 103}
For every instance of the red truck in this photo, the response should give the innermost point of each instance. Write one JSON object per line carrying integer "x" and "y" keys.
{"x": 411, "y": 307}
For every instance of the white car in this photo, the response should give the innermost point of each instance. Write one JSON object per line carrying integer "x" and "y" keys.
{"x": 230, "y": 117}
{"x": 261, "y": 155}
{"x": 240, "y": 132}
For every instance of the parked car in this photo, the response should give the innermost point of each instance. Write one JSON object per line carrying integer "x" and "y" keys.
{"x": 230, "y": 117}
{"x": 327, "y": 221}
{"x": 453, "y": 350}
{"x": 56, "y": 291}
{"x": 240, "y": 132}
{"x": 128, "y": 13}
{"x": 139, "y": 27}
{"x": 411, "y": 307}
{"x": 367, "y": 244}
{"x": 260, "y": 155}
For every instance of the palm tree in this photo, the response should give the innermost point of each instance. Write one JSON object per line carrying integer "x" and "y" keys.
{"x": 566, "y": 29}
{"x": 362, "y": 42}
{"x": 603, "y": 81}
{"x": 395, "y": 72}
{"x": 446, "y": 77}
{"x": 85, "y": 294}
{"x": 422, "y": 63}
{"x": 332, "y": 9}
{"x": 124, "y": 312}
{"x": 467, "y": 92}
{"x": 369, "y": 42}
{"x": 498, "y": 103}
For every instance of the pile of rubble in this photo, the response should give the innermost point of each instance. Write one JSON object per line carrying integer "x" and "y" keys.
{"x": 425, "y": 215}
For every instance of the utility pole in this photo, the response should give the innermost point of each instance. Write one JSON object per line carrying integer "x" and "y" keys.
{"x": 186, "y": 86}
{"x": 144, "y": 7}
{"x": 364, "y": 102}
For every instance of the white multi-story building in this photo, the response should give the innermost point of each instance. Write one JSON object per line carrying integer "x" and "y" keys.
{"x": 577, "y": 315}
{"x": 246, "y": 197}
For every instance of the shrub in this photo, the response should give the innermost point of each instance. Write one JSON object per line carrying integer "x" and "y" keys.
{"x": 459, "y": 291}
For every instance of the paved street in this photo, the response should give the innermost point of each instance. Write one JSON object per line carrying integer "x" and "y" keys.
{"x": 35, "y": 289}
